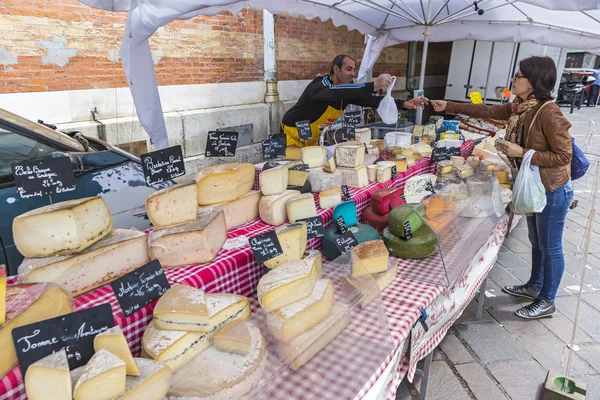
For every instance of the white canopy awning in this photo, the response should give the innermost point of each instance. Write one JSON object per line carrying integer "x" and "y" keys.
{"x": 561, "y": 23}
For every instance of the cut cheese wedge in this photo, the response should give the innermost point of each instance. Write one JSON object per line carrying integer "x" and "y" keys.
{"x": 174, "y": 205}
{"x": 384, "y": 171}
{"x": 62, "y": 228}
{"x": 26, "y": 304}
{"x": 114, "y": 341}
{"x": 314, "y": 156}
{"x": 350, "y": 156}
{"x": 372, "y": 172}
{"x": 234, "y": 338}
{"x": 330, "y": 166}
{"x": 303, "y": 348}
{"x": 355, "y": 177}
{"x": 293, "y": 153}
{"x": 292, "y": 320}
{"x": 316, "y": 254}
{"x": 330, "y": 198}
{"x": 102, "y": 378}
{"x": 272, "y": 209}
{"x": 49, "y": 378}
{"x": 369, "y": 258}
{"x": 321, "y": 180}
{"x": 117, "y": 254}
{"x": 184, "y": 311}
{"x": 287, "y": 284}
{"x": 292, "y": 239}
{"x": 151, "y": 384}
{"x": 300, "y": 207}
{"x": 174, "y": 348}
{"x": 273, "y": 181}
{"x": 224, "y": 182}
{"x": 193, "y": 243}
{"x": 297, "y": 177}
{"x": 216, "y": 374}
{"x": 240, "y": 211}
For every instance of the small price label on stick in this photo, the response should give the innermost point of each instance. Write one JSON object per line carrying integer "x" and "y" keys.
{"x": 221, "y": 144}
{"x": 341, "y": 224}
{"x": 43, "y": 177}
{"x": 304, "y": 131}
{"x": 352, "y": 118}
{"x": 346, "y": 242}
{"x": 274, "y": 147}
{"x": 265, "y": 246}
{"x": 345, "y": 193}
{"x": 163, "y": 165}
{"x": 314, "y": 227}
{"x": 140, "y": 287}
{"x": 394, "y": 172}
{"x": 73, "y": 332}
{"x": 407, "y": 231}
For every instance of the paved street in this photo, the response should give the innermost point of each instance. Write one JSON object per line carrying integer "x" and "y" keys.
{"x": 502, "y": 356}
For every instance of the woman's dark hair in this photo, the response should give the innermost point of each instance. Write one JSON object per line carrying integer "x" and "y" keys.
{"x": 541, "y": 73}
{"x": 339, "y": 61}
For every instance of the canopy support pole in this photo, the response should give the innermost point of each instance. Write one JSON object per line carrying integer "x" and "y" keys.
{"x": 419, "y": 116}
{"x": 270, "y": 67}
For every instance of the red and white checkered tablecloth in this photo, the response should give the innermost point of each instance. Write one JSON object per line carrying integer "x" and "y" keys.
{"x": 235, "y": 271}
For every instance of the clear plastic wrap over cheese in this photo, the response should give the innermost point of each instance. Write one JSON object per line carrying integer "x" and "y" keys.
{"x": 112, "y": 257}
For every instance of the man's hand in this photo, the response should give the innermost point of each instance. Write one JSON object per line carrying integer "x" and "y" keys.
{"x": 439, "y": 105}
{"x": 382, "y": 82}
{"x": 416, "y": 102}
{"x": 512, "y": 150}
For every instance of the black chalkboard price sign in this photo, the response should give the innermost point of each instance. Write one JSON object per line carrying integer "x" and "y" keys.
{"x": 304, "y": 131}
{"x": 43, "y": 177}
{"x": 346, "y": 242}
{"x": 314, "y": 227}
{"x": 73, "y": 332}
{"x": 341, "y": 224}
{"x": 163, "y": 165}
{"x": 394, "y": 172}
{"x": 408, "y": 234}
{"x": 274, "y": 147}
{"x": 265, "y": 246}
{"x": 221, "y": 144}
{"x": 345, "y": 193}
{"x": 140, "y": 287}
{"x": 441, "y": 153}
{"x": 352, "y": 118}
{"x": 348, "y": 133}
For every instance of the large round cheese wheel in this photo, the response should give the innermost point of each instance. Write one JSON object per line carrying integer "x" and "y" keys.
{"x": 370, "y": 217}
{"x": 401, "y": 215}
{"x": 361, "y": 232}
{"x": 421, "y": 245}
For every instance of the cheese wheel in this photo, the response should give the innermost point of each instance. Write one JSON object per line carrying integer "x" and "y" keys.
{"x": 422, "y": 244}
{"x": 371, "y": 218}
{"x": 224, "y": 182}
{"x": 383, "y": 200}
{"x": 361, "y": 232}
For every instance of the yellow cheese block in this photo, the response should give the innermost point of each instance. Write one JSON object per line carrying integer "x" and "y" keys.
{"x": 102, "y": 378}
{"x": 369, "y": 257}
{"x": 174, "y": 205}
{"x": 330, "y": 165}
{"x": 114, "y": 341}
{"x": 151, "y": 384}
{"x": 330, "y": 198}
{"x": 401, "y": 164}
{"x": 224, "y": 182}
{"x": 300, "y": 207}
{"x": 502, "y": 176}
{"x": 314, "y": 156}
{"x": 287, "y": 284}
{"x": 49, "y": 378}
{"x": 273, "y": 181}
{"x": 234, "y": 338}
{"x": 293, "y": 153}
{"x": 272, "y": 209}
{"x": 292, "y": 239}
{"x": 240, "y": 211}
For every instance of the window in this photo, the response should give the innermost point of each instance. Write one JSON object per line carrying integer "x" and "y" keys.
{"x": 15, "y": 146}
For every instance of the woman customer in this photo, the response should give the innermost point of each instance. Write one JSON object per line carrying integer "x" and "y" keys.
{"x": 548, "y": 134}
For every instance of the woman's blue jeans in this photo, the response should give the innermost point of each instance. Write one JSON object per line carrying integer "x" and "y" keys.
{"x": 545, "y": 233}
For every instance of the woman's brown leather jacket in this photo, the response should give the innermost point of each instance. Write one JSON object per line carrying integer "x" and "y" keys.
{"x": 549, "y": 137}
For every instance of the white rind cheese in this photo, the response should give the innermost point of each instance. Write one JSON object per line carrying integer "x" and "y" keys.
{"x": 287, "y": 284}
{"x": 193, "y": 243}
{"x": 384, "y": 171}
{"x": 103, "y": 377}
{"x": 240, "y": 211}
{"x": 224, "y": 182}
{"x": 49, "y": 378}
{"x": 151, "y": 384}
{"x": 292, "y": 239}
{"x": 314, "y": 156}
{"x": 292, "y": 320}
{"x": 273, "y": 181}
{"x": 62, "y": 228}
{"x": 272, "y": 209}
{"x": 300, "y": 207}
{"x": 224, "y": 375}
{"x": 114, "y": 341}
{"x": 234, "y": 338}
{"x": 174, "y": 205}
{"x": 112, "y": 257}
{"x": 355, "y": 177}
{"x": 330, "y": 198}
{"x": 321, "y": 180}
{"x": 350, "y": 156}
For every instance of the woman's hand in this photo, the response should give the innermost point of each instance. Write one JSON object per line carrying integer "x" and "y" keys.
{"x": 439, "y": 105}
{"x": 512, "y": 150}
{"x": 416, "y": 102}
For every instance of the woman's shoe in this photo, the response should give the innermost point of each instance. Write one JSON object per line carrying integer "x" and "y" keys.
{"x": 521, "y": 291}
{"x": 538, "y": 309}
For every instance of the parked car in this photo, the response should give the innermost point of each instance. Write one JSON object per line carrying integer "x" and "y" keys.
{"x": 99, "y": 168}
{"x": 574, "y": 82}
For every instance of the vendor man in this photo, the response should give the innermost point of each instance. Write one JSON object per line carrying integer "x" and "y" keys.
{"x": 326, "y": 97}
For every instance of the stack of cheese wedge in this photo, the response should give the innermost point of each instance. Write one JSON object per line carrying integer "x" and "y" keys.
{"x": 382, "y": 202}
{"x": 372, "y": 271}
{"x": 302, "y": 314}
{"x": 111, "y": 372}
{"x": 198, "y": 333}
{"x": 406, "y": 235}
{"x": 73, "y": 243}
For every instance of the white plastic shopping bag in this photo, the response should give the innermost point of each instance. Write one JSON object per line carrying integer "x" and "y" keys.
{"x": 529, "y": 194}
{"x": 387, "y": 108}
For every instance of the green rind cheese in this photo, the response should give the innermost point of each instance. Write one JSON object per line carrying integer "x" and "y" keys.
{"x": 401, "y": 214}
{"x": 423, "y": 244}
{"x": 362, "y": 233}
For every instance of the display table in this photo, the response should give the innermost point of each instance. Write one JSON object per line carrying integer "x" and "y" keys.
{"x": 235, "y": 271}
